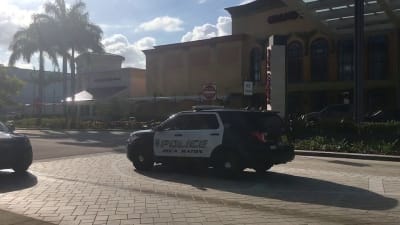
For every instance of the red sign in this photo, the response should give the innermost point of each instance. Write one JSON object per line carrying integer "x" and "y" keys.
{"x": 210, "y": 91}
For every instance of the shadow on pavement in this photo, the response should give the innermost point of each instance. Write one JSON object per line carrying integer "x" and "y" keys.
{"x": 10, "y": 181}
{"x": 84, "y": 138}
{"x": 280, "y": 186}
{"x": 115, "y": 140}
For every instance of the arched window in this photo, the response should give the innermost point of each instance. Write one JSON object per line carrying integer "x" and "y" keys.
{"x": 319, "y": 60}
{"x": 345, "y": 51}
{"x": 255, "y": 64}
{"x": 295, "y": 62}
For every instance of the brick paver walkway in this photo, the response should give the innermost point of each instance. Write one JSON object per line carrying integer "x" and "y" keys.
{"x": 105, "y": 189}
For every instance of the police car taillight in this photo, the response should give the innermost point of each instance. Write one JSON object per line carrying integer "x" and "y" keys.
{"x": 259, "y": 136}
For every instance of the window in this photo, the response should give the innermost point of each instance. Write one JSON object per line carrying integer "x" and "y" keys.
{"x": 170, "y": 123}
{"x": 255, "y": 64}
{"x": 201, "y": 122}
{"x": 295, "y": 62}
{"x": 191, "y": 122}
{"x": 319, "y": 60}
{"x": 346, "y": 65}
{"x": 377, "y": 57}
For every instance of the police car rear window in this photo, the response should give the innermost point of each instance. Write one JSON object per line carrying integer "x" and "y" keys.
{"x": 259, "y": 121}
{"x": 198, "y": 122}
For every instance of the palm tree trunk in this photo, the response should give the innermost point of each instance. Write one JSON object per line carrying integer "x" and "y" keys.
{"x": 65, "y": 67}
{"x": 41, "y": 71}
{"x": 73, "y": 86}
{"x": 73, "y": 76}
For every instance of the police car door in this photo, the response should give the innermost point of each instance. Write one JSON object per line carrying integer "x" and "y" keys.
{"x": 196, "y": 135}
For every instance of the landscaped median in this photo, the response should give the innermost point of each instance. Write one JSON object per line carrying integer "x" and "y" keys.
{"x": 348, "y": 137}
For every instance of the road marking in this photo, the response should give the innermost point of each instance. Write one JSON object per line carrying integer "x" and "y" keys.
{"x": 376, "y": 185}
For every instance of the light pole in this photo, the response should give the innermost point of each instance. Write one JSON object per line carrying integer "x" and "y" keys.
{"x": 358, "y": 98}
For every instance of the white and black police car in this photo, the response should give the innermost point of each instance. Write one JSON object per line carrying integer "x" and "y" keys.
{"x": 15, "y": 150}
{"x": 226, "y": 139}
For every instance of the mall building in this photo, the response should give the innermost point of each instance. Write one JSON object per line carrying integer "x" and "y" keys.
{"x": 305, "y": 45}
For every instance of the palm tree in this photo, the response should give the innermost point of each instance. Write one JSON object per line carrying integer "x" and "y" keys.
{"x": 78, "y": 35}
{"x": 28, "y": 41}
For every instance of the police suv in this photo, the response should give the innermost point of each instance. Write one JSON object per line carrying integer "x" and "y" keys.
{"x": 226, "y": 139}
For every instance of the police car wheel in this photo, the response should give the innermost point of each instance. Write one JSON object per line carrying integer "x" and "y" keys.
{"x": 229, "y": 165}
{"x": 143, "y": 161}
{"x": 263, "y": 168}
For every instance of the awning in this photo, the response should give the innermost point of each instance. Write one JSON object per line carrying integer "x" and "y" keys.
{"x": 337, "y": 16}
{"x": 81, "y": 97}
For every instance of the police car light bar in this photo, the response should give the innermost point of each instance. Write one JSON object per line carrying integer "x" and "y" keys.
{"x": 206, "y": 107}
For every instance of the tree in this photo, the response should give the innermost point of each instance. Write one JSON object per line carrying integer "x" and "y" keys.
{"x": 78, "y": 34}
{"x": 9, "y": 86}
{"x": 37, "y": 37}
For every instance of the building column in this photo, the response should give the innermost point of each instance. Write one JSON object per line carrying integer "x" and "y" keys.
{"x": 397, "y": 69}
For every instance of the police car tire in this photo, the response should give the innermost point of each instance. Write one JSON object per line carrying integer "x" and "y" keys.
{"x": 23, "y": 164}
{"x": 263, "y": 168}
{"x": 142, "y": 161}
{"x": 229, "y": 165}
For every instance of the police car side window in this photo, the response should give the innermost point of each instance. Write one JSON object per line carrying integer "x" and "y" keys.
{"x": 201, "y": 122}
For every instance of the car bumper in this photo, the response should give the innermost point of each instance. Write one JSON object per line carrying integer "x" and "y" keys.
{"x": 281, "y": 154}
{"x": 10, "y": 156}
{"x": 275, "y": 154}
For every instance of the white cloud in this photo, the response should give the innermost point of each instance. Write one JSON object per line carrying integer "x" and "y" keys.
{"x": 165, "y": 23}
{"x": 244, "y": 2}
{"x": 134, "y": 57}
{"x": 12, "y": 17}
{"x": 223, "y": 27}
{"x": 201, "y": 1}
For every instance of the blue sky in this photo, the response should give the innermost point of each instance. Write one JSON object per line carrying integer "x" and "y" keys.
{"x": 131, "y": 25}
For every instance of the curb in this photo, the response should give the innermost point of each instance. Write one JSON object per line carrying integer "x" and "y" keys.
{"x": 40, "y": 129}
{"x": 391, "y": 158}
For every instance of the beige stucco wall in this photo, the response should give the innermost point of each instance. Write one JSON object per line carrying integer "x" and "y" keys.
{"x": 183, "y": 70}
{"x": 137, "y": 82}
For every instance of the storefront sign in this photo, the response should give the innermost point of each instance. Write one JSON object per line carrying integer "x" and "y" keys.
{"x": 292, "y": 15}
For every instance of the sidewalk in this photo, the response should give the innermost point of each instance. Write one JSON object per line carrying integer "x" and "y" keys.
{"x": 392, "y": 158}
{"x": 8, "y": 218}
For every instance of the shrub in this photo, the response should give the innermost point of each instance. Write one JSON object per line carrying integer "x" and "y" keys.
{"x": 51, "y": 123}
{"x": 378, "y": 138}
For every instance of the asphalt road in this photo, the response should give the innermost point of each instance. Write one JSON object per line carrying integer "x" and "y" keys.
{"x": 49, "y": 144}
